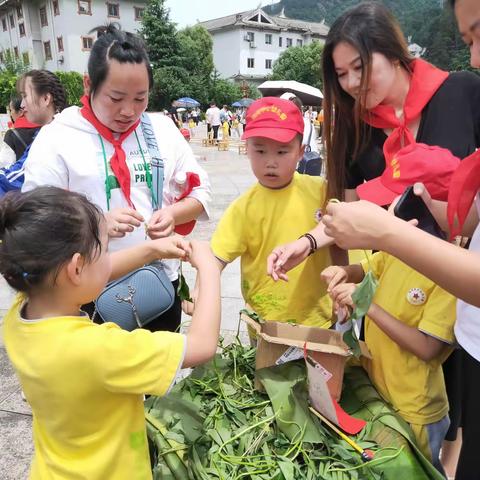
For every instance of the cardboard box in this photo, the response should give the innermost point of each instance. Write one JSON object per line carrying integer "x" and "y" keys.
{"x": 325, "y": 346}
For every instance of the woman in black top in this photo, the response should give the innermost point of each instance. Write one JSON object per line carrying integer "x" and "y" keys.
{"x": 371, "y": 81}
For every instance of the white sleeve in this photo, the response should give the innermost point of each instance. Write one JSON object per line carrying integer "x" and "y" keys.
{"x": 183, "y": 161}
{"x": 7, "y": 156}
{"x": 44, "y": 165}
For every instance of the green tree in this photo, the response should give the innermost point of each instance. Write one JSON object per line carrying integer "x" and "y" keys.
{"x": 302, "y": 64}
{"x": 73, "y": 84}
{"x": 195, "y": 50}
{"x": 160, "y": 34}
{"x": 224, "y": 92}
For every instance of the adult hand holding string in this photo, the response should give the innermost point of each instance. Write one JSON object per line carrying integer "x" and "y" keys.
{"x": 121, "y": 221}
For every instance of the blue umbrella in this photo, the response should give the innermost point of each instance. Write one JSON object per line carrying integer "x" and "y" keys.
{"x": 236, "y": 104}
{"x": 187, "y": 102}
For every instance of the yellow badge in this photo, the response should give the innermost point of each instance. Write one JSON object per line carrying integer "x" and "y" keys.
{"x": 416, "y": 296}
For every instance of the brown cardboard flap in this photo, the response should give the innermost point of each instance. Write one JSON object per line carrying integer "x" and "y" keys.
{"x": 317, "y": 339}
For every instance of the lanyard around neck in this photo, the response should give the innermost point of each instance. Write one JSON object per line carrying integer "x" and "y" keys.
{"x": 108, "y": 188}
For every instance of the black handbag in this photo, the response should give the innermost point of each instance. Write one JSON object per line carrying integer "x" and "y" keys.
{"x": 311, "y": 163}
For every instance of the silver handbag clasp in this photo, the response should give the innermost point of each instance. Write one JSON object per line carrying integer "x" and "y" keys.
{"x": 129, "y": 299}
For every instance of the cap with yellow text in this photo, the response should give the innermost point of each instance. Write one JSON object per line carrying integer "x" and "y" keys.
{"x": 274, "y": 118}
{"x": 417, "y": 162}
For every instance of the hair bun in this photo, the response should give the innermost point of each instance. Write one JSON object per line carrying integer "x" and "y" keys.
{"x": 8, "y": 208}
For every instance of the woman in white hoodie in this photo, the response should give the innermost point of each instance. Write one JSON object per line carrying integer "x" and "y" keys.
{"x": 99, "y": 150}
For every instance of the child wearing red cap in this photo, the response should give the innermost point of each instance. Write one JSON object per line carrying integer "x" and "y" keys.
{"x": 409, "y": 326}
{"x": 281, "y": 204}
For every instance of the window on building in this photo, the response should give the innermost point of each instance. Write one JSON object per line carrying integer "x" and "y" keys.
{"x": 25, "y": 58}
{"x": 87, "y": 43}
{"x": 84, "y": 7}
{"x": 19, "y": 12}
{"x": 139, "y": 11}
{"x": 299, "y": 42}
{"x": 280, "y": 41}
{"x": 48, "y": 50}
{"x": 15, "y": 51}
{"x": 21, "y": 28}
{"x": 12, "y": 21}
{"x": 4, "y": 24}
{"x": 250, "y": 63}
{"x": 250, "y": 37}
{"x": 263, "y": 19}
{"x": 56, "y": 7}
{"x": 60, "y": 44}
{"x": 289, "y": 42}
{"x": 113, "y": 10}
{"x": 43, "y": 16}
{"x": 268, "y": 63}
{"x": 268, "y": 38}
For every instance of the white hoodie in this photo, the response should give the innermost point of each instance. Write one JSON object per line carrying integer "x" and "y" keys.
{"x": 67, "y": 153}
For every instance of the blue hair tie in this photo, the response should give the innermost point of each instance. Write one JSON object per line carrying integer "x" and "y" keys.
{"x": 24, "y": 274}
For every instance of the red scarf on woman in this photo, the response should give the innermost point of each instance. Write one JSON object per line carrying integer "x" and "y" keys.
{"x": 118, "y": 162}
{"x": 424, "y": 82}
{"x": 464, "y": 185}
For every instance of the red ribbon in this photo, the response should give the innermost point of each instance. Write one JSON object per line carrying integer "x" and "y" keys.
{"x": 118, "y": 162}
{"x": 464, "y": 185}
{"x": 424, "y": 82}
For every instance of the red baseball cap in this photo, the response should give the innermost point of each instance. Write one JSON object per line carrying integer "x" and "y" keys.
{"x": 274, "y": 118}
{"x": 417, "y": 162}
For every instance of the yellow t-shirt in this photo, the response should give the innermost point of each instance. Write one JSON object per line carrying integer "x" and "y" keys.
{"x": 416, "y": 388}
{"x": 85, "y": 384}
{"x": 257, "y": 222}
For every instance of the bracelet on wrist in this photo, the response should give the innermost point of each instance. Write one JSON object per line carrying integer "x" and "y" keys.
{"x": 313, "y": 242}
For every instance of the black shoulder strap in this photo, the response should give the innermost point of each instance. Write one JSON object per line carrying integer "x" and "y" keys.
{"x": 22, "y": 141}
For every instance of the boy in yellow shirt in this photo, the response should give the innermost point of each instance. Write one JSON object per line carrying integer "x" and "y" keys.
{"x": 409, "y": 325}
{"x": 283, "y": 203}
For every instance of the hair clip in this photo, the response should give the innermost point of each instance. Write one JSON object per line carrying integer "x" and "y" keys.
{"x": 24, "y": 274}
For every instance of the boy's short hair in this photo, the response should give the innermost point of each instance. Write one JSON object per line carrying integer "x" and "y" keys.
{"x": 274, "y": 118}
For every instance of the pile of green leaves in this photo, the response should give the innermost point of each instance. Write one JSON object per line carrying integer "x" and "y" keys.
{"x": 215, "y": 425}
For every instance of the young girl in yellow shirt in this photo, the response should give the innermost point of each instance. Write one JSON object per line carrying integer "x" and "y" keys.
{"x": 85, "y": 382}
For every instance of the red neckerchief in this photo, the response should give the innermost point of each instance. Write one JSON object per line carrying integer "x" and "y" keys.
{"x": 193, "y": 180}
{"x": 424, "y": 82}
{"x": 118, "y": 162}
{"x": 22, "y": 122}
{"x": 464, "y": 185}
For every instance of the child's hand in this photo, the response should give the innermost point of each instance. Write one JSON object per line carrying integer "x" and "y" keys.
{"x": 342, "y": 295}
{"x": 333, "y": 276}
{"x": 201, "y": 255}
{"x": 285, "y": 257}
{"x": 189, "y": 307}
{"x": 171, "y": 247}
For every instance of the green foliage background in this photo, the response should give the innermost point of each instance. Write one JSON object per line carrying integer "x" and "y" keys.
{"x": 13, "y": 68}
{"x": 429, "y": 23}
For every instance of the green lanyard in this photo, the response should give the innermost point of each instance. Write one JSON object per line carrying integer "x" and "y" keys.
{"x": 108, "y": 188}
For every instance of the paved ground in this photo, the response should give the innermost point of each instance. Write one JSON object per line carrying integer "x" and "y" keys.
{"x": 229, "y": 175}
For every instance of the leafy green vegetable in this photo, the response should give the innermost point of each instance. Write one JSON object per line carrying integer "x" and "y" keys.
{"x": 183, "y": 291}
{"x": 215, "y": 425}
{"x": 362, "y": 298}
{"x": 253, "y": 315}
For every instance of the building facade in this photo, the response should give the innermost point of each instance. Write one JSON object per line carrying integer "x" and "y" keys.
{"x": 246, "y": 45}
{"x": 53, "y": 34}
